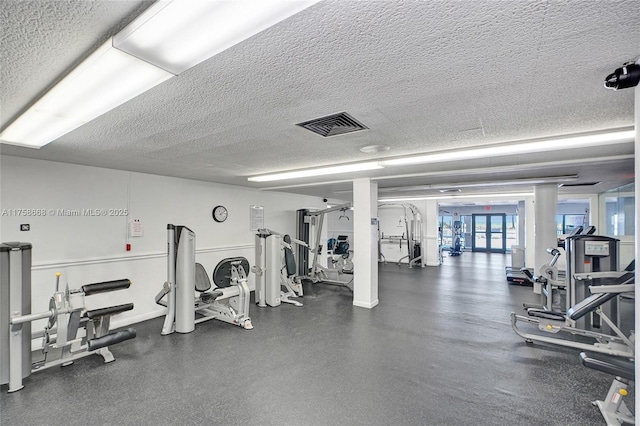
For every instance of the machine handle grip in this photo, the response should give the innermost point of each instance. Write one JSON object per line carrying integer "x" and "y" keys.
{"x": 111, "y": 339}
{"x": 89, "y": 289}
{"x": 527, "y": 272}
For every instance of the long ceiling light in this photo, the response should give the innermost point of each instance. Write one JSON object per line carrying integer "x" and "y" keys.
{"x": 322, "y": 171}
{"x": 106, "y": 79}
{"x": 167, "y": 39}
{"x": 555, "y": 144}
{"x": 176, "y": 35}
{"x": 462, "y": 197}
{"x": 446, "y": 186}
{"x": 523, "y": 147}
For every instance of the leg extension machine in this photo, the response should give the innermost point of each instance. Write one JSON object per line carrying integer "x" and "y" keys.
{"x": 72, "y": 331}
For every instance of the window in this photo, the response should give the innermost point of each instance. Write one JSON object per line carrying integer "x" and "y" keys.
{"x": 566, "y": 223}
{"x": 619, "y": 210}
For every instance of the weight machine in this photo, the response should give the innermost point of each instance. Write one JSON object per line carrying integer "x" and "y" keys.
{"x": 317, "y": 272}
{"x": 275, "y": 269}
{"x": 616, "y": 344}
{"x": 229, "y": 302}
{"x": 613, "y": 409}
{"x": 412, "y": 235}
{"x": 71, "y": 332}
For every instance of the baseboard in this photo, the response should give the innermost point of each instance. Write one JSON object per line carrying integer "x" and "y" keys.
{"x": 138, "y": 318}
{"x": 368, "y": 305}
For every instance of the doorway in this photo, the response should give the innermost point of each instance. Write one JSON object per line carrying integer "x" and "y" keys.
{"x": 489, "y": 232}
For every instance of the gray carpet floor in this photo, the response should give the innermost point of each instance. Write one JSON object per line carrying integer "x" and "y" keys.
{"x": 438, "y": 350}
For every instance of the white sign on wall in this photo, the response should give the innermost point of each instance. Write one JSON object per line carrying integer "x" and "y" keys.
{"x": 257, "y": 218}
{"x": 135, "y": 228}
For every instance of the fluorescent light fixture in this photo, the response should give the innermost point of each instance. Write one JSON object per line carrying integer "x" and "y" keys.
{"x": 462, "y": 197}
{"x": 168, "y": 38}
{"x": 457, "y": 186}
{"x": 555, "y": 144}
{"x": 106, "y": 79}
{"x": 347, "y": 168}
{"x": 178, "y": 34}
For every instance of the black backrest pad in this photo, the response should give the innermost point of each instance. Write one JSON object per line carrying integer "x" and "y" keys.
{"x": 589, "y": 304}
{"x": 202, "y": 279}
{"x": 289, "y": 262}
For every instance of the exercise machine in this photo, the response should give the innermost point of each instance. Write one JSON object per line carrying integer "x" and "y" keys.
{"x": 552, "y": 289}
{"x": 519, "y": 274}
{"x": 516, "y": 272}
{"x": 456, "y": 241}
{"x": 412, "y": 235}
{"x": 228, "y": 302}
{"x": 339, "y": 254}
{"x": 613, "y": 408}
{"x": 314, "y": 271}
{"x": 555, "y": 322}
{"x": 587, "y": 255}
{"x": 71, "y": 331}
{"x": 276, "y": 269}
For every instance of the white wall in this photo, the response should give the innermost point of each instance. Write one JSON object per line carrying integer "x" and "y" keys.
{"x": 89, "y": 249}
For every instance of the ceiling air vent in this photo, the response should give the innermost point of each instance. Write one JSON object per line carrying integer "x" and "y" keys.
{"x": 332, "y": 125}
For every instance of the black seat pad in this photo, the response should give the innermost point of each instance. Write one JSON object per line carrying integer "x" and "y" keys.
{"x": 612, "y": 365}
{"x": 589, "y": 304}
{"x": 541, "y": 313}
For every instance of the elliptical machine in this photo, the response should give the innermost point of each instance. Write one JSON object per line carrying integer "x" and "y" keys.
{"x": 456, "y": 243}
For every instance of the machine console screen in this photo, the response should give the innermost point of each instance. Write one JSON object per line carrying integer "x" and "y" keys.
{"x": 596, "y": 248}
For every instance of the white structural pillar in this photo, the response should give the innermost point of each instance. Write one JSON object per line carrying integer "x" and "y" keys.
{"x": 430, "y": 248}
{"x": 546, "y": 206}
{"x": 522, "y": 223}
{"x": 365, "y": 235}
{"x": 637, "y": 233}
{"x": 529, "y": 241}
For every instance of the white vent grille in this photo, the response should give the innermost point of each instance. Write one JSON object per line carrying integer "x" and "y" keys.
{"x": 332, "y": 125}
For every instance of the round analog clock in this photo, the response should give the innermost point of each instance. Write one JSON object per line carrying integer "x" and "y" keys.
{"x": 220, "y": 213}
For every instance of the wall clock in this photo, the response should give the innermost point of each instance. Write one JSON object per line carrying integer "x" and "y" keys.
{"x": 220, "y": 213}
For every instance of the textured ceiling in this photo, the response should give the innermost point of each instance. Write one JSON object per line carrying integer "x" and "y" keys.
{"x": 422, "y": 76}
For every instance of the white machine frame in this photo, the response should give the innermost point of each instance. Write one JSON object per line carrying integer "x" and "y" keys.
{"x": 319, "y": 273}
{"x": 229, "y": 303}
{"x": 270, "y": 270}
{"x": 412, "y": 235}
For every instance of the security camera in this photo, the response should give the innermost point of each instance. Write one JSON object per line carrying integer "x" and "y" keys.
{"x": 623, "y": 78}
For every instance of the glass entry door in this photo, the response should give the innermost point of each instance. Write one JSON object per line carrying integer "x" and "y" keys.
{"x": 489, "y": 232}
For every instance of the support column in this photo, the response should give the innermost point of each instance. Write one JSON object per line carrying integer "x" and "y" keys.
{"x": 430, "y": 247}
{"x": 637, "y": 233}
{"x": 522, "y": 223}
{"x": 529, "y": 241}
{"x": 365, "y": 235}
{"x": 546, "y": 207}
